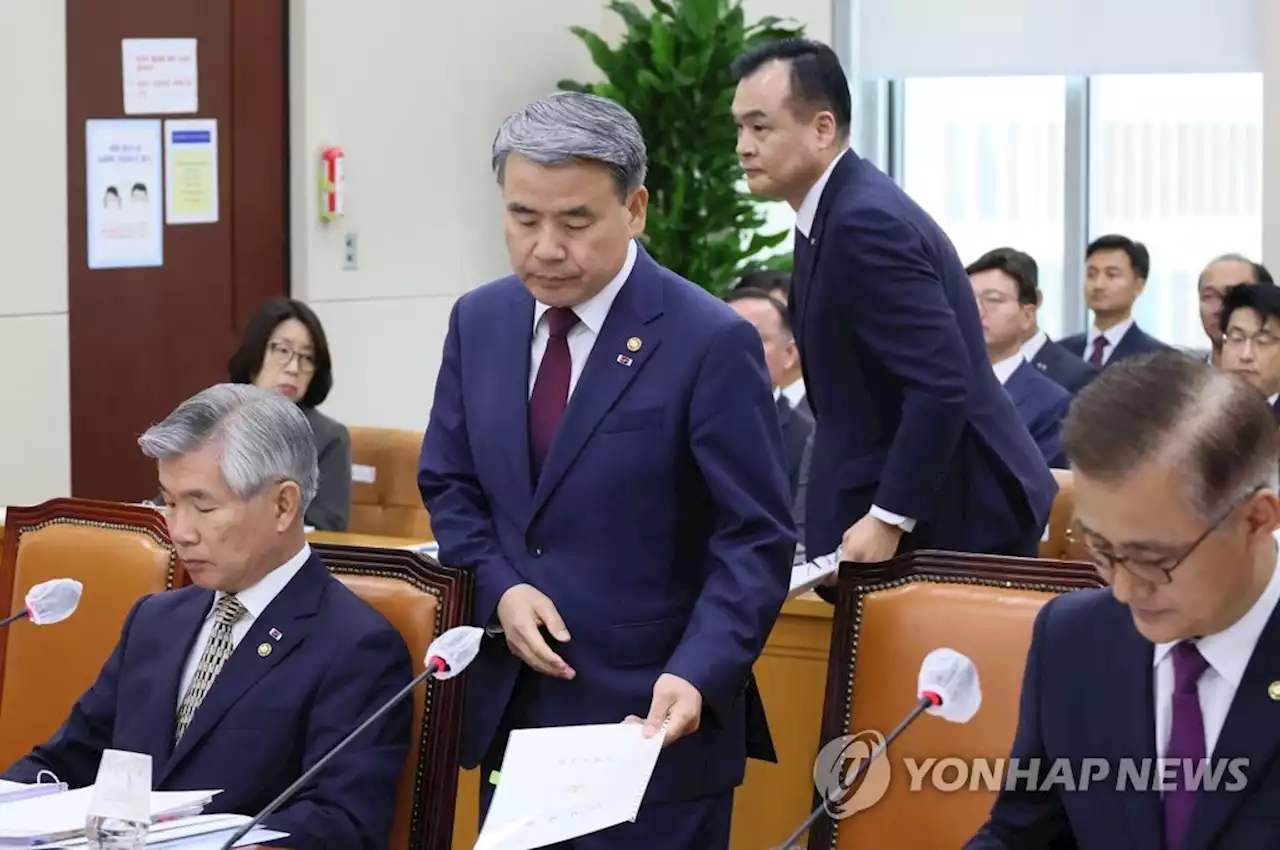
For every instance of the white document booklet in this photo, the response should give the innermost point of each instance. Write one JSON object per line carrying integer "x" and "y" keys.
{"x": 810, "y": 574}
{"x": 561, "y": 782}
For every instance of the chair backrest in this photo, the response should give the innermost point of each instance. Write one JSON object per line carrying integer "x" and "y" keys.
{"x": 421, "y": 599}
{"x": 1058, "y": 545}
{"x": 119, "y": 553}
{"x": 888, "y": 618}
{"x": 384, "y": 484}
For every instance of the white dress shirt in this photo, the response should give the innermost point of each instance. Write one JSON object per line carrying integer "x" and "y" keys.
{"x": 1006, "y": 367}
{"x": 1113, "y": 334}
{"x": 1032, "y": 347}
{"x": 255, "y": 600}
{"x": 1228, "y": 653}
{"x": 804, "y": 223}
{"x": 794, "y": 392}
{"x": 582, "y": 336}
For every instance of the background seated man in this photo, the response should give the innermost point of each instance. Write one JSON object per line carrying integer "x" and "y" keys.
{"x": 1250, "y": 332}
{"x": 1004, "y": 282}
{"x": 246, "y": 679}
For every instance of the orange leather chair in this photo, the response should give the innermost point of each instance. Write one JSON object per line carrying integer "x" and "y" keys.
{"x": 1059, "y": 546}
{"x": 120, "y": 553}
{"x": 888, "y": 618}
{"x": 384, "y": 484}
{"x": 422, "y": 599}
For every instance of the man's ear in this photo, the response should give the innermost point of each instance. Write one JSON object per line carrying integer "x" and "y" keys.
{"x": 288, "y": 504}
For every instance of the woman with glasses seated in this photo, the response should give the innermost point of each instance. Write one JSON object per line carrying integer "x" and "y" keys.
{"x": 284, "y": 349}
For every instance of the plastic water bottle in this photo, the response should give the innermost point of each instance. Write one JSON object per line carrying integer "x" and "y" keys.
{"x": 115, "y": 834}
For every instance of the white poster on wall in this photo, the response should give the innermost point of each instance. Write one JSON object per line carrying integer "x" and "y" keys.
{"x": 160, "y": 76}
{"x": 191, "y": 171}
{"x": 125, "y": 221}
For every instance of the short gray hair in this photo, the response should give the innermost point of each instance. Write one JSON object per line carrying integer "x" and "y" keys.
{"x": 570, "y": 126}
{"x": 263, "y": 436}
{"x": 1228, "y": 258}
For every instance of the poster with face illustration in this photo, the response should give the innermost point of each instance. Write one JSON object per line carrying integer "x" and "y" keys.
{"x": 125, "y": 194}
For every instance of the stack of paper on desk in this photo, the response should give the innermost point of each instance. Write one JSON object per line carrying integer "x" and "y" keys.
{"x": 60, "y": 817}
{"x": 12, "y": 792}
{"x": 558, "y": 783}
{"x": 202, "y": 832}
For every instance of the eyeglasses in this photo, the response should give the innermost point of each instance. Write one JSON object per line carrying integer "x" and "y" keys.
{"x": 1152, "y": 568}
{"x": 1262, "y": 340}
{"x": 282, "y": 355}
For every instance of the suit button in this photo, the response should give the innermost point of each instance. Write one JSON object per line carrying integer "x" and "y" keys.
{"x": 536, "y": 551}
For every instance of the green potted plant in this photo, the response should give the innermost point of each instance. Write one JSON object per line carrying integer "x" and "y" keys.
{"x": 672, "y": 71}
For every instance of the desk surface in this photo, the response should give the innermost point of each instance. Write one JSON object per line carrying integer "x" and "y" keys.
{"x": 341, "y": 538}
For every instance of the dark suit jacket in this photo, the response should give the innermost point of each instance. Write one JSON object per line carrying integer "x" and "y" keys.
{"x": 265, "y": 720}
{"x": 331, "y": 508}
{"x": 660, "y": 526}
{"x": 1087, "y": 694}
{"x": 909, "y": 415}
{"x": 1064, "y": 367}
{"x": 1135, "y": 341}
{"x": 1042, "y": 404}
{"x": 797, "y": 428}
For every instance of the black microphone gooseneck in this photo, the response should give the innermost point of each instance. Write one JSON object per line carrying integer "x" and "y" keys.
{"x": 926, "y": 701}
{"x": 434, "y": 665}
{"x": 18, "y": 616}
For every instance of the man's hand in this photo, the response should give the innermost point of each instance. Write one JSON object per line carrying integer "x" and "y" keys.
{"x": 870, "y": 540}
{"x": 522, "y": 610}
{"x": 677, "y": 704}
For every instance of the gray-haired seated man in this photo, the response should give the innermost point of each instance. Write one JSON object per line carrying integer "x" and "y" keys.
{"x": 244, "y": 680}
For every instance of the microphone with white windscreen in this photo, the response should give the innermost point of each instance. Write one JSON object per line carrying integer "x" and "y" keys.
{"x": 49, "y": 602}
{"x": 447, "y": 656}
{"x": 947, "y": 687}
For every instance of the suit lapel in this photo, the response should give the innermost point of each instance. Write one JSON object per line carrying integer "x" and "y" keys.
{"x": 1251, "y": 732}
{"x": 609, "y": 370}
{"x": 291, "y": 615}
{"x": 186, "y": 620}
{"x": 514, "y": 342}
{"x": 1138, "y": 740}
{"x": 807, "y": 250}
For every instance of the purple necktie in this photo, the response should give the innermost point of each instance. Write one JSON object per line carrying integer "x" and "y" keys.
{"x": 1186, "y": 741}
{"x": 1099, "y": 346}
{"x": 551, "y": 389}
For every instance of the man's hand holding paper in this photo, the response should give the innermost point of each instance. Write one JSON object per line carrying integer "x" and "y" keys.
{"x": 676, "y": 707}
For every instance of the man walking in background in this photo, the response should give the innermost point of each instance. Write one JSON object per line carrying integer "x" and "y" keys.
{"x": 917, "y": 444}
{"x": 604, "y": 454}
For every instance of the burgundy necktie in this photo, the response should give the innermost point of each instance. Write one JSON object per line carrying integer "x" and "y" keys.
{"x": 551, "y": 389}
{"x": 1099, "y": 346}
{"x": 1186, "y": 741}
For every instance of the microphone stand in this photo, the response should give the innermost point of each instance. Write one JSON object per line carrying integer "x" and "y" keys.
{"x": 434, "y": 665}
{"x": 925, "y": 702}
{"x": 18, "y": 616}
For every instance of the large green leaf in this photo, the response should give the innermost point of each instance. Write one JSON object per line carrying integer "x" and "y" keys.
{"x": 671, "y": 70}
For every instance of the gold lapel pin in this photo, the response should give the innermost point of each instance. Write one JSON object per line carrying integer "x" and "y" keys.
{"x": 264, "y": 649}
{"x": 1273, "y": 691}
{"x": 633, "y": 344}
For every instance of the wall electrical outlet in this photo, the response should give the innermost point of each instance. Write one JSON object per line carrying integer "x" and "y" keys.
{"x": 350, "y": 258}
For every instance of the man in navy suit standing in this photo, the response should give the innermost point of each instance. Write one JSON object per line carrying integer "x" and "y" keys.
{"x": 1175, "y": 469}
{"x": 917, "y": 445}
{"x": 248, "y": 678}
{"x": 604, "y": 454}
{"x": 1006, "y": 295}
{"x": 1116, "y": 270}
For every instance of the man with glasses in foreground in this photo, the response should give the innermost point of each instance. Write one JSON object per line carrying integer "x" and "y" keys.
{"x": 1250, "y": 321}
{"x": 1175, "y": 468}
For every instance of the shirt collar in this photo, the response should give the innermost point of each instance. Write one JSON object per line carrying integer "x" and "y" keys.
{"x": 1228, "y": 652}
{"x": 255, "y": 599}
{"x": 1005, "y": 368}
{"x": 776, "y": 393}
{"x": 809, "y": 208}
{"x": 794, "y": 391}
{"x": 1113, "y": 334}
{"x": 1032, "y": 347}
{"x": 595, "y": 309}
